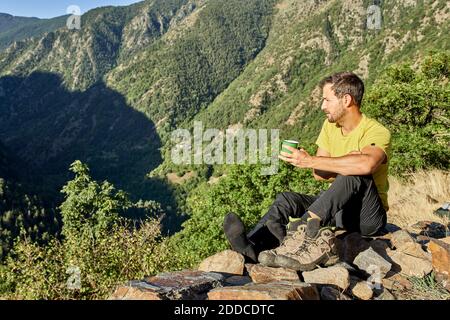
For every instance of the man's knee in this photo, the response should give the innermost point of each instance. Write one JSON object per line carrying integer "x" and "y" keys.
{"x": 356, "y": 180}
{"x": 283, "y": 196}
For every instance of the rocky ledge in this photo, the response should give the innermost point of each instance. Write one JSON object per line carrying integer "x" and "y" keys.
{"x": 378, "y": 268}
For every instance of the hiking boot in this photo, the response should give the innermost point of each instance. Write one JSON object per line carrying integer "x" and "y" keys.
{"x": 291, "y": 243}
{"x": 234, "y": 230}
{"x": 318, "y": 247}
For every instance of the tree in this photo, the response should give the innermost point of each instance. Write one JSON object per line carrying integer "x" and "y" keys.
{"x": 415, "y": 105}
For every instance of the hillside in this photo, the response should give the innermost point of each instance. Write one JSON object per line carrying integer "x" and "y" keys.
{"x": 66, "y": 106}
{"x": 111, "y": 93}
{"x": 86, "y": 116}
{"x": 14, "y": 28}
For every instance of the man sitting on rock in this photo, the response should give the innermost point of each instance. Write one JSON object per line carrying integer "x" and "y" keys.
{"x": 353, "y": 152}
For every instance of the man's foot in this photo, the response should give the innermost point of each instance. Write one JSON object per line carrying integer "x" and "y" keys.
{"x": 318, "y": 246}
{"x": 235, "y": 233}
{"x": 291, "y": 243}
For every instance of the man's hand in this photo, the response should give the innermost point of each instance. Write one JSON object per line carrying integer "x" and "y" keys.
{"x": 299, "y": 158}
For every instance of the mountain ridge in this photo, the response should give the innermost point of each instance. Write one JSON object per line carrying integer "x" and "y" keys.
{"x": 228, "y": 64}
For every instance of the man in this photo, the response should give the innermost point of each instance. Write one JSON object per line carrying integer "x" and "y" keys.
{"x": 353, "y": 154}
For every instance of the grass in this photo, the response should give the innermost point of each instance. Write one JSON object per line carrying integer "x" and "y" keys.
{"x": 412, "y": 201}
{"x": 417, "y": 199}
{"x": 427, "y": 288}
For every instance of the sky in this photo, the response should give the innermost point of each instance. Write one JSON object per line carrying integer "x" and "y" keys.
{"x": 54, "y": 8}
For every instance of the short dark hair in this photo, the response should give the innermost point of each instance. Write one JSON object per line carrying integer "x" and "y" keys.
{"x": 345, "y": 83}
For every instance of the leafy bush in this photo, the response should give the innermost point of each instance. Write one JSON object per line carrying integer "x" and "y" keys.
{"x": 244, "y": 191}
{"x": 104, "y": 249}
{"x": 415, "y": 106}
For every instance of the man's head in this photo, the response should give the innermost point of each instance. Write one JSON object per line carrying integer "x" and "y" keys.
{"x": 342, "y": 92}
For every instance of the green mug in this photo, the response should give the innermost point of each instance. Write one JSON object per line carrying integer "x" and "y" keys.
{"x": 290, "y": 143}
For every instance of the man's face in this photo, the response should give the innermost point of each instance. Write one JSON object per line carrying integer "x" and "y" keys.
{"x": 331, "y": 104}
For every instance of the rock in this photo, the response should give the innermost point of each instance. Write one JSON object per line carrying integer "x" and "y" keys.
{"x": 400, "y": 238}
{"x": 337, "y": 276}
{"x": 429, "y": 228}
{"x": 360, "y": 288}
{"x": 227, "y": 261}
{"x": 180, "y": 285}
{"x": 415, "y": 250}
{"x": 372, "y": 262}
{"x": 237, "y": 280}
{"x": 443, "y": 211}
{"x": 444, "y": 280}
{"x": 440, "y": 252}
{"x": 396, "y": 282}
{"x": 381, "y": 247}
{"x": 423, "y": 240}
{"x": 283, "y": 290}
{"x": 347, "y": 266}
{"x": 351, "y": 246}
{"x": 385, "y": 295}
{"x": 249, "y": 266}
{"x": 330, "y": 293}
{"x": 262, "y": 274}
{"x": 446, "y": 240}
{"x": 132, "y": 291}
{"x": 411, "y": 265}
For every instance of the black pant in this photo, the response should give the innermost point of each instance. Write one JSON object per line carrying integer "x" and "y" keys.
{"x": 351, "y": 203}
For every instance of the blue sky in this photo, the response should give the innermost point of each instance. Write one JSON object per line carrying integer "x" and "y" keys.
{"x": 53, "y": 8}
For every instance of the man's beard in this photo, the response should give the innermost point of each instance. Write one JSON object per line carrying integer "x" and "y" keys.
{"x": 338, "y": 116}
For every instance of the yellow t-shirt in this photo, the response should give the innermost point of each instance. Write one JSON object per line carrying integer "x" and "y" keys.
{"x": 368, "y": 131}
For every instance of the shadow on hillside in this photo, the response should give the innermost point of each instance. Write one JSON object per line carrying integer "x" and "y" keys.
{"x": 49, "y": 127}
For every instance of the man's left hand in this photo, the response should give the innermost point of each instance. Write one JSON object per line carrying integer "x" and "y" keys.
{"x": 299, "y": 158}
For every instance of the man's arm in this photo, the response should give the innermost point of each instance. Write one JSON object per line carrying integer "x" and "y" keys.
{"x": 352, "y": 164}
{"x": 321, "y": 174}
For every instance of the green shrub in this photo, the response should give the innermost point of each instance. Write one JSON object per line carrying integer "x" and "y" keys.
{"x": 415, "y": 106}
{"x": 244, "y": 191}
{"x": 98, "y": 246}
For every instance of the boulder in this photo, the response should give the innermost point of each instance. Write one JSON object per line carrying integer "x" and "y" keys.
{"x": 371, "y": 262}
{"x": 401, "y": 238}
{"x": 180, "y": 285}
{"x": 415, "y": 250}
{"x": 360, "y": 288}
{"x": 262, "y": 274}
{"x": 440, "y": 252}
{"x": 283, "y": 290}
{"x": 396, "y": 281}
{"x": 385, "y": 295}
{"x": 227, "y": 261}
{"x": 411, "y": 265}
{"x": 237, "y": 280}
{"x": 337, "y": 276}
{"x": 430, "y": 229}
{"x": 446, "y": 240}
{"x": 135, "y": 291}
